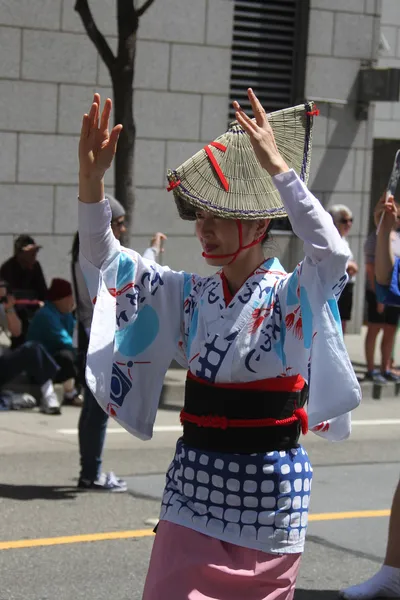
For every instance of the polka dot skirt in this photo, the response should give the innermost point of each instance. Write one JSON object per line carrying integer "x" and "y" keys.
{"x": 258, "y": 501}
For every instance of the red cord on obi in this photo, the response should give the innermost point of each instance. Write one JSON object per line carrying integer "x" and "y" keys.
{"x": 218, "y": 422}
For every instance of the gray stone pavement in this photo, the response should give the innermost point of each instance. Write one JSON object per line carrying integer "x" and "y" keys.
{"x": 38, "y": 499}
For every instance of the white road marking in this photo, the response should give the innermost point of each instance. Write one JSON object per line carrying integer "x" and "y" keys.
{"x": 377, "y": 422}
{"x": 178, "y": 428}
{"x": 157, "y": 429}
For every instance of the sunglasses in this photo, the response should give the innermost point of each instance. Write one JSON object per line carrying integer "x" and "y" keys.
{"x": 345, "y": 221}
{"x": 119, "y": 223}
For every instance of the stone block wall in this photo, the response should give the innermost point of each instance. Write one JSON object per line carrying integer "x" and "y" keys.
{"x": 342, "y": 35}
{"x": 50, "y": 69}
{"x": 48, "y": 73}
{"x": 387, "y": 114}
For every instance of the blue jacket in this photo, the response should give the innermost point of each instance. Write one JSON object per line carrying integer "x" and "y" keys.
{"x": 52, "y": 329}
{"x": 390, "y": 294}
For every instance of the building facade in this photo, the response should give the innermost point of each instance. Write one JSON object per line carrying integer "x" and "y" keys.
{"x": 185, "y": 76}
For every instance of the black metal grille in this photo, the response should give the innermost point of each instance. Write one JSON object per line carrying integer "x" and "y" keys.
{"x": 269, "y": 51}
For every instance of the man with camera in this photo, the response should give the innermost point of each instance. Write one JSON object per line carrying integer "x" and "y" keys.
{"x": 24, "y": 274}
{"x": 29, "y": 358}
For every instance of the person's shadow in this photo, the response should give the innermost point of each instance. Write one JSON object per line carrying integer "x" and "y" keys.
{"x": 315, "y": 595}
{"x": 37, "y": 492}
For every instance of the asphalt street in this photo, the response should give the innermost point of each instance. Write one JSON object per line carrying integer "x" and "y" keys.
{"x": 57, "y": 543}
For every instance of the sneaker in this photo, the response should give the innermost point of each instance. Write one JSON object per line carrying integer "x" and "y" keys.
{"x": 390, "y": 376}
{"x": 73, "y": 400}
{"x": 376, "y": 377}
{"x": 22, "y": 402}
{"x": 50, "y": 404}
{"x": 107, "y": 482}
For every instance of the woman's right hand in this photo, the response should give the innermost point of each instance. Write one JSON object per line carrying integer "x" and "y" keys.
{"x": 380, "y": 308}
{"x": 390, "y": 212}
{"x": 386, "y": 205}
{"x": 157, "y": 242}
{"x": 261, "y": 135}
{"x": 97, "y": 145}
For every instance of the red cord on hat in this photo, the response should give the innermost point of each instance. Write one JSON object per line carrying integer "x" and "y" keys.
{"x": 215, "y": 164}
{"x": 173, "y": 184}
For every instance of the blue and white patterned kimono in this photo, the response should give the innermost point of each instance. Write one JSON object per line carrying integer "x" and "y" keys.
{"x": 277, "y": 325}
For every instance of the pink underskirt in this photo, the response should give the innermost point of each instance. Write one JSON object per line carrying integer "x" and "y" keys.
{"x": 187, "y": 565}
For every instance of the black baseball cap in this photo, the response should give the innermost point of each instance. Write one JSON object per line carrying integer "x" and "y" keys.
{"x": 24, "y": 243}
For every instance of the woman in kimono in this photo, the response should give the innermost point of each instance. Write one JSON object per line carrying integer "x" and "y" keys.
{"x": 235, "y": 507}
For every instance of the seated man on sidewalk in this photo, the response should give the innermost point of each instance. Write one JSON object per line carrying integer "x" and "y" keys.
{"x": 386, "y": 582}
{"x": 53, "y": 327}
{"x": 30, "y": 358}
{"x": 24, "y": 275}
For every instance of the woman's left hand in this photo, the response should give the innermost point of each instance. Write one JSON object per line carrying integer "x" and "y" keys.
{"x": 352, "y": 268}
{"x": 261, "y": 135}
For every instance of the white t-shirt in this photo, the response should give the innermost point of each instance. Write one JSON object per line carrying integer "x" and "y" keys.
{"x": 352, "y": 278}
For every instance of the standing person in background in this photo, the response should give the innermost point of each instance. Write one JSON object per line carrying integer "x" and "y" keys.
{"x": 93, "y": 419}
{"x": 386, "y": 582}
{"x": 343, "y": 220}
{"x": 379, "y": 316}
{"x": 24, "y": 276}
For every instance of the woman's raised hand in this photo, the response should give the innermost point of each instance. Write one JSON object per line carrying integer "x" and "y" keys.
{"x": 97, "y": 145}
{"x": 385, "y": 212}
{"x": 261, "y": 135}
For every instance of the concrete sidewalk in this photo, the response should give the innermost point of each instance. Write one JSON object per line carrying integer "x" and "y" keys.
{"x": 174, "y": 384}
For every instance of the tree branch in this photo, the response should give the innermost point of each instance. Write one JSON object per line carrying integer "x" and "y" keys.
{"x": 140, "y": 11}
{"x": 98, "y": 39}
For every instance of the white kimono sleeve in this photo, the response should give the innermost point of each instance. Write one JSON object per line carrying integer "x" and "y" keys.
{"x": 136, "y": 326}
{"x": 309, "y": 301}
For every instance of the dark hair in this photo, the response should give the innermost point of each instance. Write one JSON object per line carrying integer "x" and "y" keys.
{"x": 75, "y": 248}
{"x": 267, "y": 236}
{"x": 22, "y": 242}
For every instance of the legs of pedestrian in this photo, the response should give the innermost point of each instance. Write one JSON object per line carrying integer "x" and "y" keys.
{"x": 31, "y": 358}
{"x": 392, "y": 358}
{"x": 68, "y": 375}
{"x": 386, "y": 582}
{"x": 92, "y": 432}
{"x": 387, "y": 344}
{"x": 370, "y": 343}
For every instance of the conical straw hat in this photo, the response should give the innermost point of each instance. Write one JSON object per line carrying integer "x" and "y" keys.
{"x": 226, "y": 178}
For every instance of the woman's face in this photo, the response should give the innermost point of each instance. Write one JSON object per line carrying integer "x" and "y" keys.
{"x": 221, "y": 236}
{"x": 344, "y": 224}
